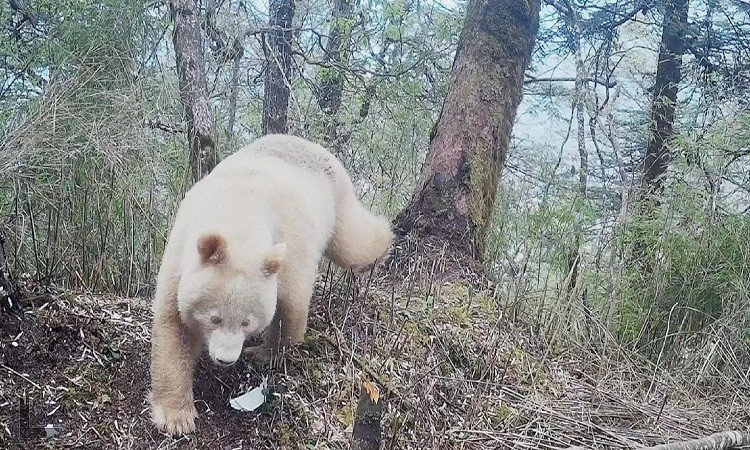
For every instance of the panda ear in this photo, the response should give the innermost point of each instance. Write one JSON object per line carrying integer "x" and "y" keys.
{"x": 212, "y": 249}
{"x": 273, "y": 259}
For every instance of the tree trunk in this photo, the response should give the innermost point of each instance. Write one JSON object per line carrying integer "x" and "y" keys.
{"x": 658, "y": 153}
{"x": 188, "y": 45}
{"x": 337, "y": 52}
{"x": 454, "y": 201}
{"x": 331, "y": 76}
{"x": 581, "y": 91}
{"x": 278, "y": 51}
{"x": 240, "y": 52}
{"x": 668, "y": 76}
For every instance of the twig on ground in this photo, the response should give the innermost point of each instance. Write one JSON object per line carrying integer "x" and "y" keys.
{"x": 22, "y": 376}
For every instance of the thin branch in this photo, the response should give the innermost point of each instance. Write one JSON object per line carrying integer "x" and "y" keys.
{"x": 605, "y": 83}
{"x": 641, "y": 6}
{"x": 556, "y": 4}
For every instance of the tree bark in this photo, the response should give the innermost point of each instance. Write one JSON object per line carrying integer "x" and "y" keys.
{"x": 188, "y": 45}
{"x": 668, "y": 76}
{"x": 454, "y": 201}
{"x": 278, "y": 51}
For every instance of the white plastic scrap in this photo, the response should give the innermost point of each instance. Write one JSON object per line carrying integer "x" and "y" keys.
{"x": 50, "y": 430}
{"x": 252, "y": 399}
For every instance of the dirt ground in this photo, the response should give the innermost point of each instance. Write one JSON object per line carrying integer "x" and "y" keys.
{"x": 452, "y": 371}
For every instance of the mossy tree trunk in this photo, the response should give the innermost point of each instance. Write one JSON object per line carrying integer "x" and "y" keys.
{"x": 278, "y": 51}
{"x": 454, "y": 201}
{"x": 188, "y": 45}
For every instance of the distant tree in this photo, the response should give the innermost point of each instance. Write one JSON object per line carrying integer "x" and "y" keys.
{"x": 225, "y": 48}
{"x": 331, "y": 75}
{"x": 668, "y": 77}
{"x": 188, "y": 45}
{"x": 662, "y": 121}
{"x": 454, "y": 201}
{"x": 278, "y": 51}
{"x": 336, "y": 54}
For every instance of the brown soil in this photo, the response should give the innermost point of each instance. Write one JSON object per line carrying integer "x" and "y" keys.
{"x": 91, "y": 377}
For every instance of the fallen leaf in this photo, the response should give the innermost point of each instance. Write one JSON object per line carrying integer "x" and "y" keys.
{"x": 372, "y": 391}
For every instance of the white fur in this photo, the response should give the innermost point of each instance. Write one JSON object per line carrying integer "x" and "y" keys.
{"x": 268, "y": 213}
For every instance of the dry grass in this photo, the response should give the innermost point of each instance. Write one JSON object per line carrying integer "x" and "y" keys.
{"x": 454, "y": 371}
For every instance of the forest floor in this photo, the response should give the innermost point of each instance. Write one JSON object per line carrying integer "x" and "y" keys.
{"x": 453, "y": 371}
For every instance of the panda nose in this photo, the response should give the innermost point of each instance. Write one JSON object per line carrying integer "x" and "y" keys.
{"x": 224, "y": 362}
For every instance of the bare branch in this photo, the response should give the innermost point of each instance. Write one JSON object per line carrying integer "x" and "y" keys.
{"x": 606, "y": 83}
{"x": 556, "y": 4}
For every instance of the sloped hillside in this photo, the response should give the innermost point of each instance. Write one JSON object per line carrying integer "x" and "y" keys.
{"x": 453, "y": 370}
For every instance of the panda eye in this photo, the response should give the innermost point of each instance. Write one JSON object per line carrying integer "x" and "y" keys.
{"x": 245, "y": 323}
{"x": 215, "y": 320}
